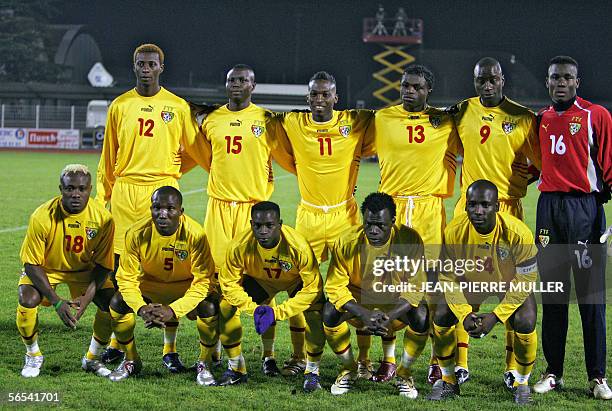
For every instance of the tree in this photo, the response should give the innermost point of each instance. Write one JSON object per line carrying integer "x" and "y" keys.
{"x": 25, "y": 41}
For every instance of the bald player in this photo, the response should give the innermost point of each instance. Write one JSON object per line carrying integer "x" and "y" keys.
{"x": 498, "y": 136}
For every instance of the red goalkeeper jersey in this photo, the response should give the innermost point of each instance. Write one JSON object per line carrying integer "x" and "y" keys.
{"x": 576, "y": 148}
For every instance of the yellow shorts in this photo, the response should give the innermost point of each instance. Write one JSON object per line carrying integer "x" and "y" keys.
{"x": 163, "y": 293}
{"x": 131, "y": 202}
{"x": 512, "y": 206}
{"x": 271, "y": 288}
{"x": 322, "y": 228}
{"x": 224, "y": 219}
{"x": 77, "y": 284}
{"x": 426, "y": 215}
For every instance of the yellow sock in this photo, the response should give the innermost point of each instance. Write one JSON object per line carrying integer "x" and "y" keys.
{"x": 525, "y": 349}
{"x": 444, "y": 347}
{"x": 297, "y": 326}
{"x": 315, "y": 336}
{"x": 388, "y": 346}
{"x": 170, "y": 337}
{"x": 230, "y": 329}
{"x": 267, "y": 341}
{"x": 102, "y": 330}
{"x": 364, "y": 343}
{"x": 414, "y": 344}
{"x": 339, "y": 339}
{"x": 463, "y": 344}
{"x": 27, "y": 325}
{"x": 207, "y": 328}
{"x": 123, "y": 327}
{"x": 510, "y": 360}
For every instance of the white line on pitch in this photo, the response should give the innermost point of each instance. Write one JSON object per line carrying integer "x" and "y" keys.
{"x": 13, "y": 229}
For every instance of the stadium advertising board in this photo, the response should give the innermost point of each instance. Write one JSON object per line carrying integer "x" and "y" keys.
{"x": 37, "y": 138}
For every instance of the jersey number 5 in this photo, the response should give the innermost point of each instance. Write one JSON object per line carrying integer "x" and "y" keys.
{"x": 146, "y": 126}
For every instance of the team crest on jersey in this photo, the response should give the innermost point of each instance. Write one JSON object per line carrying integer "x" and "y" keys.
{"x": 91, "y": 233}
{"x": 257, "y": 130}
{"x": 574, "y": 128}
{"x": 285, "y": 265}
{"x": 544, "y": 239}
{"x": 503, "y": 253}
{"x": 167, "y": 116}
{"x": 435, "y": 121}
{"x": 181, "y": 254}
{"x": 345, "y": 130}
{"x": 508, "y": 126}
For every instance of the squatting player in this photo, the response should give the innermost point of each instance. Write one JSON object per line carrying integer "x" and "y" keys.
{"x": 145, "y": 130}
{"x": 352, "y": 295}
{"x": 69, "y": 241}
{"x": 261, "y": 262}
{"x": 327, "y": 146}
{"x": 242, "y": 145}
{"x": 498, "y": 136}
{"x": 504, "y": 246}
{"x": 576, "y": 179}
{"x": 417, "y": 148}
{"x": 165, "y": 272}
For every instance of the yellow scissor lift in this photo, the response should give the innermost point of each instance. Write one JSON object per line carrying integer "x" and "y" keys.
{"x": 396, "y": 36}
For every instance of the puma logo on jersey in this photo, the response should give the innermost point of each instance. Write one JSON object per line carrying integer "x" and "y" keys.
{"x": 545, "y": 127}
{"x": 236, "y": 123}
{"x": 584, "y": 243}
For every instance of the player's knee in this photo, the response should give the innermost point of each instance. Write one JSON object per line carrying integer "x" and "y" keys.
{"x": 118, "y": 304}
{"x": 331, "y": 316}
{"x": 524, "y": 321}
{"x": 29, "y": 296}
{"x": 419, "y": 318}
{"x": 103, "y": 298}
{"x": 206, "y": 309}
{"x": 443, "y": 316}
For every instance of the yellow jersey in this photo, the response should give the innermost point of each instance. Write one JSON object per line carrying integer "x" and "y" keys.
{"x": 417, "y": 151}
{"x": 327, "y": 155}
{"x": 143, "y": 140}
{"x": 242, "y": 145}
{"x": 150, "y": 256}
{"x": 496, "y": 144}
{"x": 279, "y": 269}
{"x": 64, "y": 243}
{"x": 352, "y": 273}
{"x": 506, "y": 255}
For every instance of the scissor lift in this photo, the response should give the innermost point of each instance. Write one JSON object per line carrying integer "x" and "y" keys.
{"x": 395, "y": 56}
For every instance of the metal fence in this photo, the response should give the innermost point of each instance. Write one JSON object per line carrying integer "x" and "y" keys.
{"x": 39, "y": 116}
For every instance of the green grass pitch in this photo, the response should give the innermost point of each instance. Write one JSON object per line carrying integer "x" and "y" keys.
{"x": 28, "y": 179}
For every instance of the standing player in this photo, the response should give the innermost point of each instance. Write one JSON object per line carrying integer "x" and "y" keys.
{"x": 576, "y": 140}
{"x": 354, "y": 297}
{"x": 498, "y": 136}
{"x": 242, "y": 145}
{"x": 146, "y": 129}
{"x": 502, "y": 248}
{"x": 69, "y": 241}
{"x": 165, "y": 272}
{"x": 261, "y": 262}
{"x": 427, "y": 136}
{"x": 327, "y": 146}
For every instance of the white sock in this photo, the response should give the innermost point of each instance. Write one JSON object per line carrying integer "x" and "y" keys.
{"x": 312, "y": 367}
{"x": 95, "y": 347}
{"x": 347, "y": 358}
{"x": 33, "y": 349}
{"x": 407, "y": 360}
{"x": 236, "y": 363}
{"x": 389, "y": 349}
{"x": 519, "y": 378}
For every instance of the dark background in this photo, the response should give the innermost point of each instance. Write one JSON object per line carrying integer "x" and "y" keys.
{"x": 286, "y": 42}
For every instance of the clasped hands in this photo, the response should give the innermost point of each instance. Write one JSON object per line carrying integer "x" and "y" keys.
{"x": 156, "y": 315}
